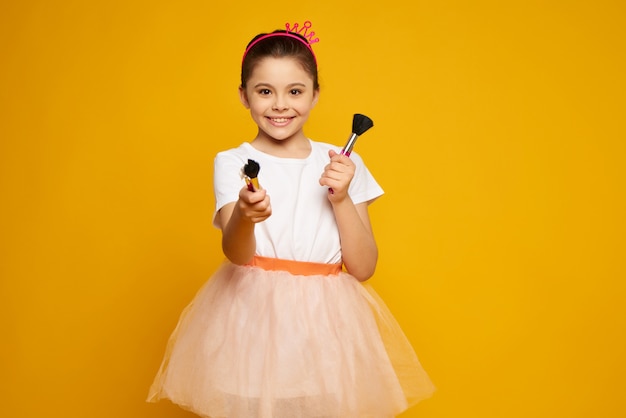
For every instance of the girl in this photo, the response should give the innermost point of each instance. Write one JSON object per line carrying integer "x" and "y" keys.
{"x": 280, "y": 330}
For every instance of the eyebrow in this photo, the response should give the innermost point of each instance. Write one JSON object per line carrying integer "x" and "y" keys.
{"x": 296, "y": 84}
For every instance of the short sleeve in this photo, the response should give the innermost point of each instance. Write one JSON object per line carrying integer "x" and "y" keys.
{"x": 226, "y": 179}
{"x": 363, "y": 187}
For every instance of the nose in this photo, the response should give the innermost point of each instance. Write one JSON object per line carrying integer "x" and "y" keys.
{"x": 280, "y": 102}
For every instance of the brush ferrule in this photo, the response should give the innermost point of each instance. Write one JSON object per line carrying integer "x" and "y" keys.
{"x": 350, "y": 144}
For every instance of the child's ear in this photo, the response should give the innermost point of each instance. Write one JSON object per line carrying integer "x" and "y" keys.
{"x": 243, "y": 96}
{"x": 316, "y": 97}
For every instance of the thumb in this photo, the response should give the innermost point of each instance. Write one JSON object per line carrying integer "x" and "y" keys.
{"x": 331, "y": 153}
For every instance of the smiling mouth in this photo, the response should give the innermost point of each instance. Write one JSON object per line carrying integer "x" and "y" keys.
{"x": 279, "y": 120}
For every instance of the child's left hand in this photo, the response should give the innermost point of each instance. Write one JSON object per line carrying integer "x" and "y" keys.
{"x": 337, "y": 176}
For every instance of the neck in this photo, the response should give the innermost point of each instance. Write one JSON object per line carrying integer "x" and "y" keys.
{"x": 297, "y": 146}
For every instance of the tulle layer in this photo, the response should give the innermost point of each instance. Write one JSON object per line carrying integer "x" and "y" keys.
{"x": 257, "y": 343}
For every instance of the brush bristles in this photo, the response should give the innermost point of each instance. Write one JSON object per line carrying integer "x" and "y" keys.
{"x": 361, "y": 123}
{"x": 251, "y": 169}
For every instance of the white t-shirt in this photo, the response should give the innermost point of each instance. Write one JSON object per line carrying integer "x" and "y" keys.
{"x": 302, "y": 226}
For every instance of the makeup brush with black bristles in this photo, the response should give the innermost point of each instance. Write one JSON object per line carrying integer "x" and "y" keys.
{"x": 251, "y": 171}
{"x": 360, "y": 124}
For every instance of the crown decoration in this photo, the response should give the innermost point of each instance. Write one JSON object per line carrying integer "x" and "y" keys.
{"x": 304, "y": 31}
{"x": 295, "y": 32}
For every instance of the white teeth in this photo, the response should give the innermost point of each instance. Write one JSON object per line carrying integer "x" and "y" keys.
{"x": 279, "y": 120}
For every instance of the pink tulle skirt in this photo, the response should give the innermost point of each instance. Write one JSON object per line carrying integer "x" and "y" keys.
{"x": 258, "y": 343}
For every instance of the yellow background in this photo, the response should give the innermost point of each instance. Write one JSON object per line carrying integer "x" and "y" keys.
{"x": 499, "y": 138}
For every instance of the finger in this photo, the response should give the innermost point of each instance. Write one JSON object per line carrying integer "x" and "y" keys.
{"x": 253, "y": 197}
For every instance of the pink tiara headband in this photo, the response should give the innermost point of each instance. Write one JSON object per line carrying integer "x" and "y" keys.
{"x": 291, "y": 33}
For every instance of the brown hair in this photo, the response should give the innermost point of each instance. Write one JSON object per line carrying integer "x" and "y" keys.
{"x": 279, "y": 47}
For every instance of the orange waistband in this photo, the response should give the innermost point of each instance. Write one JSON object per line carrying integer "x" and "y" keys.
{"x": 301, "y": 268}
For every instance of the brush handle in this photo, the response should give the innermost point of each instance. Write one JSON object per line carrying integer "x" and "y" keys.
{"x": 253, "y": 184}
{"x": 347, "y": 150}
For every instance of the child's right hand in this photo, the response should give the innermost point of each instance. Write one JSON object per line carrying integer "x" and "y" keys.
{"x": 254, "y": 205}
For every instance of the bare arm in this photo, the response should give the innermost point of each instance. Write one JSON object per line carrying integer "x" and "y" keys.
{"x": 358, "y": 246}
{"x": 237, "y": 222}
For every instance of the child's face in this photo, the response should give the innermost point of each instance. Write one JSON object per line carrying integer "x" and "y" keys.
{"x": 280, "y": 95}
